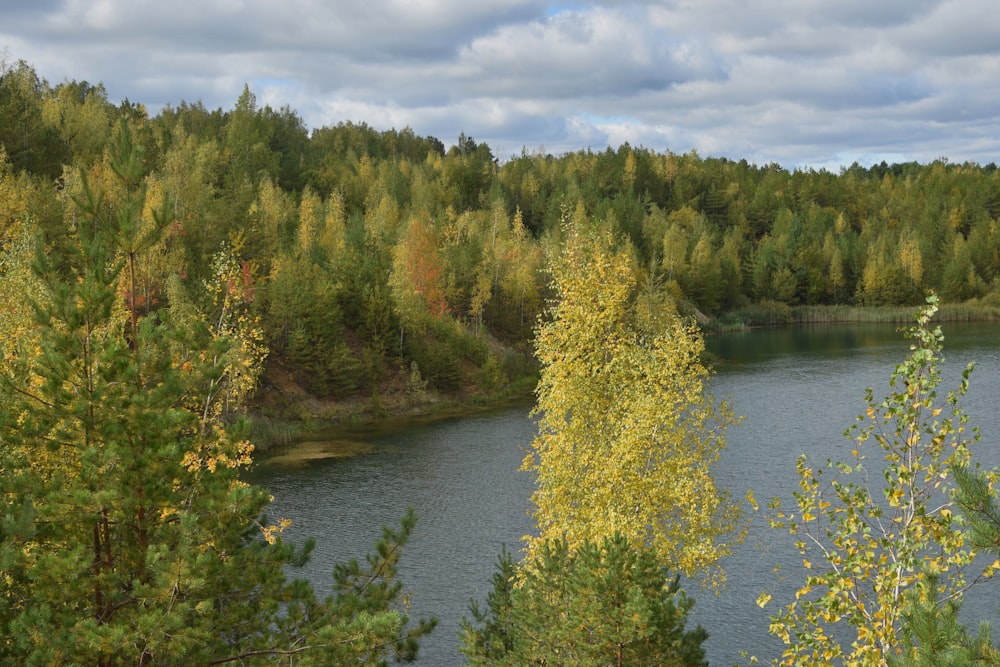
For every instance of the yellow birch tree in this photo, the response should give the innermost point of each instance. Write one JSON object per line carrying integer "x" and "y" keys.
{"x": 627, "y": 435}
{"x": 866, "y": 549}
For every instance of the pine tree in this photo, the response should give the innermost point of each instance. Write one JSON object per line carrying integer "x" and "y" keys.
{"x": 598, "y": 604}
{"x": 488, "y": 638}
{"x": 932, "y": 636}
{"x": 126, "y": 535}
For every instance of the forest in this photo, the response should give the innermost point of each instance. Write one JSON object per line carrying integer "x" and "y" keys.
{"x": 163, "y": 276}
{"x": 379, "y": 260}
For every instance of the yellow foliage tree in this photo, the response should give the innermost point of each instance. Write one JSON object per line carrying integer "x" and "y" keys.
{"x": 627, "y": 435}
{"x": 865, "y": 549}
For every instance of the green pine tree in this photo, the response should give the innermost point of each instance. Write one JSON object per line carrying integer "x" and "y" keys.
{"x": 932, "y": 635}
{"x": 607, "y": 604}
{"x": 126, "y": 535}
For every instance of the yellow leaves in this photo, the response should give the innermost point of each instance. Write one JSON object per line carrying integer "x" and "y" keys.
{"x": 626, "y": 435}
{"x": 805, "y": 590}
{"x": 216, "y": 453}
{"x": 191, "y": 461}
{"x": 866, "y": 553}
{"x": 751, "y": 500}
{"x": 763, "y": 599}
{"x": 19, "y": 286}
{"x": 270, "y": 533}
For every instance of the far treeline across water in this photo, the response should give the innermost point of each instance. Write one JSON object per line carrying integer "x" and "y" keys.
{"x": 379, "y": 264}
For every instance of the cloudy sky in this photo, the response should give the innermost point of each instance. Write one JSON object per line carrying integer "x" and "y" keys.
{"x": 805, "y": 83}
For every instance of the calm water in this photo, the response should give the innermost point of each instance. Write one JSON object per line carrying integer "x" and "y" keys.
{"x": 798, "y": 390}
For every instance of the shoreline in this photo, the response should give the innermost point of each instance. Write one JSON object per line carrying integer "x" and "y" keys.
{"x": 285, "y": 415}
{"x": 315, "y": 419}
{"x": 767, "y": 314}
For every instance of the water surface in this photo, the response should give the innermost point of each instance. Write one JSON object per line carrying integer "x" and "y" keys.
{"x": 798, "y": 389}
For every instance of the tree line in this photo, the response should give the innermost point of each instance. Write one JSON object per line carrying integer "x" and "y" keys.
{"x": 378, "y": 250}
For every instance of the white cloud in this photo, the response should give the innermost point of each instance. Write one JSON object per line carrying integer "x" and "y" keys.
{"x": 800, "y": 82}
{"x": 583, "y": 54}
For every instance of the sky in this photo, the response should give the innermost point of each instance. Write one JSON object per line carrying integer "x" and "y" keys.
{"x": 807, "y": 84}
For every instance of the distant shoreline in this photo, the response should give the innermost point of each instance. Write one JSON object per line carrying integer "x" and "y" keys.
{"x": 779, "y": 314}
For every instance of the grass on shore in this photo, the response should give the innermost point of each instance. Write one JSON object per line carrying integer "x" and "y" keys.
{"x": 771, "y": 313}
{"x": 274, "y": 430}
{"x": 954, "y": 312}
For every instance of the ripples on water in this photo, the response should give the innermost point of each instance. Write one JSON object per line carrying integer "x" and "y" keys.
{"x": 799, "y": 398}
{"x": 799, "y": 389}
{"x": 461, "y": 477}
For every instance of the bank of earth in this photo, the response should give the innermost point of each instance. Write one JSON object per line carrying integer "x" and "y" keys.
{"x": 284, "y": 413}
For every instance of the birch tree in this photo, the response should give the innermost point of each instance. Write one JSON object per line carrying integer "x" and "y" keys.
{"x": 867, "y": 547}
{"x": 627, "y": 434}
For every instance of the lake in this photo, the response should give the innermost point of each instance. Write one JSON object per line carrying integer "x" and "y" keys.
{"x": 797, "y": 388}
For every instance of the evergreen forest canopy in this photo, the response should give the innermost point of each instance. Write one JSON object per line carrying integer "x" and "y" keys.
{"x": 379, "y": 257}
